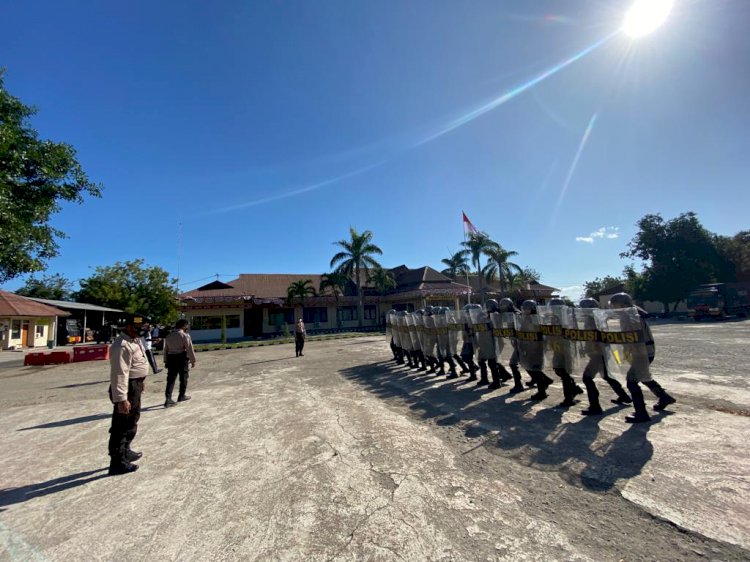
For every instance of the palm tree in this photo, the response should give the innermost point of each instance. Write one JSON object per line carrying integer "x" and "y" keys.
{"x": 499, "y": 267}
{"x": 354, "y": 259}
{"x": 456, "y": 264}
{"x": 383, "y": 280}
{"x": 335, "y": 283}
{"x": 300, "y": 289}
{"x": 476, "y": 245}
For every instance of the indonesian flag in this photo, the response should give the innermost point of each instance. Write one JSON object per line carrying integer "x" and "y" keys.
{"x": 468, "y": 227}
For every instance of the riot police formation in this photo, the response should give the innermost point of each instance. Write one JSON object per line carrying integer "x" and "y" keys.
{"x": 616, "y": 341}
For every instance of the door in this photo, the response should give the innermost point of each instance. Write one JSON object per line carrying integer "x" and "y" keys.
{"x": 253, "y": 322}
{"x": 25, "y": 333}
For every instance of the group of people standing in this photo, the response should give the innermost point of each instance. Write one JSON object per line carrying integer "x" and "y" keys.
{"x": 484, "y": 340}
{"x": 130, "y": 357}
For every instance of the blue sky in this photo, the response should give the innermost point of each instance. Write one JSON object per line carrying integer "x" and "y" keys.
{"x": 268, "y": 128}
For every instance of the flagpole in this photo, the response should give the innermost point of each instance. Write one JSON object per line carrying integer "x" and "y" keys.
{"x": 463, "y": 224}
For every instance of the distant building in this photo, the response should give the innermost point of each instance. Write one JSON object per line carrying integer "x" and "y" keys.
{"x": 83, "y": 320}
{"x": 27, "y": 323}
{"x": 255, "y": 304}
{"x": 533, "y": 290}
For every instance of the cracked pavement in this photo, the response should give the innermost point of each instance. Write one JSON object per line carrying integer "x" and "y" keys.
{"x": 341, "y": 455}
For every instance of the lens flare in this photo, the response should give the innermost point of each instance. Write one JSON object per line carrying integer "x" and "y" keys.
{"x": 645, "y": 16}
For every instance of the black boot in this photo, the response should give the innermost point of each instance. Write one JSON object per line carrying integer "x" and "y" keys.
{"x": 483, "y": 380}
{"x": 594, "y": 408}
{"x": 569, "y": 388}
{"x": 622, "y": 396}
{"x": 518, "y": 385}
{"x": 460, "y": 362}
{"x": 119, "y": 467}
{"x": 541, "y": 381}
{"x": 639, "y": 404}
{"x": 495, "y": 371}
{"x": 664, "y": 398}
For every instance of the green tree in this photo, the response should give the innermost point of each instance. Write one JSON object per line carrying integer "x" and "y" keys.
{"x": 336, "y": 284}
{"x": 133, "y": 287}
{"x": 736, "y": 250}
{"x": 601, "y": 284}
{"x": 355, "y": 259}
{"x": 498, "y": 267}
{"x": 456, "y": 264}
{"x": 36, "y": 175}
{"x": 383, "y": 280}
{"x": 299, "y": 290}
{"x": 479, "y": 244}
{"x": 677, "y": 255}
{"x": 54, "y": 287}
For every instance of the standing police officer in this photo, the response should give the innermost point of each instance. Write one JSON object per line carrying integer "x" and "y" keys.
{"x": 128, "y": 370}
{"x": 178, "y": 352}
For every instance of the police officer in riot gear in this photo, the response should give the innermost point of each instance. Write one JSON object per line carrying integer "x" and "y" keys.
{"x": 559, "y": 361}
{"x": 596, "y": 364}
{"x": 499, "y": 372}
{"x": 444, "y": 353}
{"x": 429, "y": 339}
{"x": 506, "y": 305}
{"x": 531, "y": 349}
{"x": 467, "y": 350}
{"x": 634, "y": 376}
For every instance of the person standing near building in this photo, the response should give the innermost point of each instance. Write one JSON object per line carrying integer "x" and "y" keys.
{"x": 299, "y": 337}
{"x": 147, "y": 335}
{"x": 178, "y": 352}
{"x": 128, "y": 370}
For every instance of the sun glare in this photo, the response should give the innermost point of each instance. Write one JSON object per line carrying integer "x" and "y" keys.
{"x": 645, "y": 16}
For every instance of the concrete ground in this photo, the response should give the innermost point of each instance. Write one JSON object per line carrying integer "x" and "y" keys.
{"x": 342, "y": 455}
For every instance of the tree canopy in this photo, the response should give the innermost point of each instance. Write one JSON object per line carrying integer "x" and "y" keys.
{"x": 133, "y": 287}
{"x": 299, "y": 290}
{"x": 54, "y": 287}
{"x": 677, "y": 256}
{"x": 356, "y": 258}
{"x": 36, "y": 175}
{"x": 601, "y": 284}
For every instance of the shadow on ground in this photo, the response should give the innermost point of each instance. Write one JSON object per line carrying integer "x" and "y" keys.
{"x": 12, "y": 496}
{"x": 580, "y": 451}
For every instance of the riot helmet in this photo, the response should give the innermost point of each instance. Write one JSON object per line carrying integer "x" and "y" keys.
{"x": 556, "y": 301}
{"x": 588, "y": 303}
{"x": 506, "y": 305}
{"x": 491, "y": 305}
{"x": 429, "y": 310}
{"x": 528, "y": 307}
{"x": 620, "y": 300}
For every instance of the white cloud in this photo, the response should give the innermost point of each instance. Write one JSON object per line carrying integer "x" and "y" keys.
{"x": 573, "y": 292}
{"x": 608, "y": 232}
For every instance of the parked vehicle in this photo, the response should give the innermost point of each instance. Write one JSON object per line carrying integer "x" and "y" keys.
{"x": 719, "y": 300}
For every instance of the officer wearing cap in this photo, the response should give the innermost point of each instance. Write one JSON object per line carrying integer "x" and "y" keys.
{"x": 128, "y": 369}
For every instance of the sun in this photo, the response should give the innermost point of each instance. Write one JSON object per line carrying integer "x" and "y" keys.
{"x": 645, "y": 16}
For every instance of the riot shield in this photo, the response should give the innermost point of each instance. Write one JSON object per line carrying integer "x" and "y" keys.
{"x": 468, "y": 345}
{"x": 503, "y": 331}
{"x": 480, "y": 323}
{"x": 559, "y": 353}
{"x": 530, "y": 342}
{"x": 395, "y": 330}
{"x": 429, "y": 338}
{"x": 621, "y": 332}
{"x": 454, "y": 331}
{"x": 407, "y": 327}
{"x": 583, "y": 334}
{"x": 441, "y": 329}
{"x": 388, "y": 329}
{"x": 415, "y": 331}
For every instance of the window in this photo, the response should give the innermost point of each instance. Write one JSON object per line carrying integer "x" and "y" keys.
{"x": 371, "y": 312}
{"x": 214, "y": 322}
{"x": 348, "y": 313}
{"x": 39, "y": 331}
{"x": 315, "y": 314}
{"x": 280, "y": 316}
{"x": 15, "y": 329}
